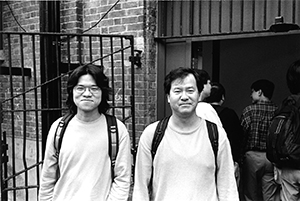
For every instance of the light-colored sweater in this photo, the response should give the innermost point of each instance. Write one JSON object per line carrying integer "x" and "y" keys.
{"x": 84, "y": 164}
{"x": 184, "y": 166}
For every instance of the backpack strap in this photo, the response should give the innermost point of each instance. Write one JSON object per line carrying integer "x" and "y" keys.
{"x": 58, "y": 137}
{"x": 214, "y": 139}
{"x": 113, "y": 140}
{"x": 60, "y": 131}
{"x": 159, "y": 134}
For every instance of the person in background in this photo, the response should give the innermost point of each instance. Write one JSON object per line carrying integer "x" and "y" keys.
{"x": 184, "y": 164}
{"x": 230, "y": 122}
{"x": 290, "y": 177}
{"x": 258, "y": 172}
{"x": 204, "y": 109}
{"x": 85, "y": 171}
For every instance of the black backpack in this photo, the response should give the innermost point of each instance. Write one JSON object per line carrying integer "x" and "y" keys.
{"x": 283, "y": 140}
{"x": 113, "y": 137}
{"x": 159, "y": 134}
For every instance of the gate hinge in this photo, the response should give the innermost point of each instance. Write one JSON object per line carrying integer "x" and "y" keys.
{"x": 136, "y": 59}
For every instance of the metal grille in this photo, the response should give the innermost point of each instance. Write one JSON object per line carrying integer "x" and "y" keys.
{"x": 181, "y": 18}
{"x": 33, "y": 94}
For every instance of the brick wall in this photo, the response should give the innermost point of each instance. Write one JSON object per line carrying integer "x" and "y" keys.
{"x": 132, "y": 17}
{"x": 25, "y": 12}
{"x": 20, "y": 16}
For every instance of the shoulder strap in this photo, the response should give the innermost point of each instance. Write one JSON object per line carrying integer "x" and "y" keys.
{"x": 213, "y": 136}
{"x": 214, "y": 139}
{"x": 60, "y": 131}
{"x": 159, "y": 134}
{"x": 113, "y": 139}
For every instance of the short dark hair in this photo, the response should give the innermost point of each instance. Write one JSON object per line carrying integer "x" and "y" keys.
{"x": 203, "y": 75}
{"x": 216, "y": 93}
{"x": 293, "y": 77}
{"x": 181, "y": 72}
{"x": 101, "y": 80}
{"x": 266, "y": 86}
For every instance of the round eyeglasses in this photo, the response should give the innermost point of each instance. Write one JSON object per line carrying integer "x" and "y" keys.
{"x": 81, "y": 89}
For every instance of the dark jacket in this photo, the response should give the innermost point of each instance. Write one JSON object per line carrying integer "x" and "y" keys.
{"x": 231, "y": 124}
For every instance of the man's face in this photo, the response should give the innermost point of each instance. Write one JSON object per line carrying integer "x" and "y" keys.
{"x": 183, "y": 96}
{"x": 86, "y": 94}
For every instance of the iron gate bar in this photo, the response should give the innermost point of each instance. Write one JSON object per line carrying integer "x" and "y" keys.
{"x": 123, "y": 80}
{"x": 12, "y": 118}
{"x": 24, "y": 116}
{"x": 37, "y": 138}
{"x": 112, "y": 72}
{"x": 23, "y": 171}
{"x": 132, "y": 98}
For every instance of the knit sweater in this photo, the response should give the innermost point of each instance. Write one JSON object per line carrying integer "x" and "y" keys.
{"x": 184, "y": 166}
{"x": 84, "y": 164}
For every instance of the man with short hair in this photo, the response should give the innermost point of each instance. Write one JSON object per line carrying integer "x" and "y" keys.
{"x": 184, "y": 165}
{"x": 205, "y": 110}
{"x": 258, "y": 172}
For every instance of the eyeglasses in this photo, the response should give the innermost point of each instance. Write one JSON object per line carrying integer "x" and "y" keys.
{"x": 81, "y": 89}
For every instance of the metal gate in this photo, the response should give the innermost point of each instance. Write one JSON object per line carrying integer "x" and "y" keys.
{"x": 33, "y": 92}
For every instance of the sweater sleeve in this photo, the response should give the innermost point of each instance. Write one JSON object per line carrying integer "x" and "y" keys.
{"x": 143, "y": 166}
{"x": 122, "y": 171}
{"x": 49, "y": 173}
{"x": 226, "y": 184}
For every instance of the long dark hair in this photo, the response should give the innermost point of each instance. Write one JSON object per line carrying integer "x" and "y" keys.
{"x": 101, "y": 80}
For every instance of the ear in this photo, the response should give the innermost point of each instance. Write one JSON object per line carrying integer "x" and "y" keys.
{"x": 168, "y": 98}
{"x": 260, "y": 93}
